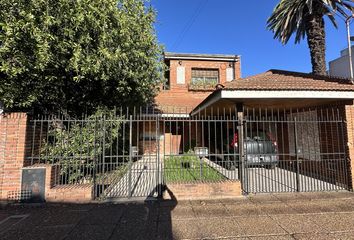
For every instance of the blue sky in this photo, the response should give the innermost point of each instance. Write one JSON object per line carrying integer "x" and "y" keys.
{"x": 236, "y": 27}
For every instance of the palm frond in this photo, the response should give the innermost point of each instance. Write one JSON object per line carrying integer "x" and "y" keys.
{"x": 289, "y": 16}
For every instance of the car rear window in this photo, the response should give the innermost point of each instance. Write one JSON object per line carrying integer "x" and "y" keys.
{"x": 258, "y": 135}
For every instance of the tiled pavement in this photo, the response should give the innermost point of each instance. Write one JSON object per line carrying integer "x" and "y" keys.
{"x": 280, "y": 216}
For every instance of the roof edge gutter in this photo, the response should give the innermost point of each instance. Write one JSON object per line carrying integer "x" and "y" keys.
{"x": 216, "y": 96}
{"x": 233, "y": 59}
{"x": 271, "y": 94}
{"x": 285, "y": 94}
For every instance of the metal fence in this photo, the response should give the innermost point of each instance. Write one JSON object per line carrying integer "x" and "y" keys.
{"x": 136, "y": 153}
{"x": 302, "y": 150}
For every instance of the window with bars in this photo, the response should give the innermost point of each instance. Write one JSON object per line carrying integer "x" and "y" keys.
{"x": 204, "y": 77}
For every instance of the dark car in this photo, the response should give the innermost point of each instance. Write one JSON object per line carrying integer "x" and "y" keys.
{"x": 260, "y": 150}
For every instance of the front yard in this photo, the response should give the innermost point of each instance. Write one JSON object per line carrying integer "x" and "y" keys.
{"x": 189, "y": 168}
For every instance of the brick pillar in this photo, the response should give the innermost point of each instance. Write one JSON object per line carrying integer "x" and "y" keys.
{"x": 349, "y": 114}
{"x": 12, "y": 152}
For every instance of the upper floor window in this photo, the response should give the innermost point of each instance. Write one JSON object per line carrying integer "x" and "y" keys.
{"x": 204, "y": 78}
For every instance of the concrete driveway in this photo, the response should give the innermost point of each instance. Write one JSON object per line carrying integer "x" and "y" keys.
{"x": 277, "y": 180}
{"x": 140, "y": 181}
{"x": 261, "y": 180}
{"x": 281, "y": 216}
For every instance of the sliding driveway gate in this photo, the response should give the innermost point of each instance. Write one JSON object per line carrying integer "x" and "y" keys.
{"x": 300, "y": 151}
{"x": 136, "y": 153}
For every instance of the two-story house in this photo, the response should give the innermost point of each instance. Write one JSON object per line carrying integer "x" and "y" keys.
{"x": 193, "y": 77}
{"x": 190, "y": 79}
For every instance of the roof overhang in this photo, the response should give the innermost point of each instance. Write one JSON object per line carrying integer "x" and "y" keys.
{"x": 205, "y": 57}
{"x": 281, "y": 94}
{"x": 247, "y": 95}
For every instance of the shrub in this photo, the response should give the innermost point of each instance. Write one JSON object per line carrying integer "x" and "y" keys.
{"x": 76, "y": 145}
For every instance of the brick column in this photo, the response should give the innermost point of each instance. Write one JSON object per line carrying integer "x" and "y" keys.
{"x": 12, "y": 152}
{"x": 349, "y": 114}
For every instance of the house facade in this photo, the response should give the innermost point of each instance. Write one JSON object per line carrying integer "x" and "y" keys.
{"x": 211, "y": 134}
{"x": 190, "y": 78}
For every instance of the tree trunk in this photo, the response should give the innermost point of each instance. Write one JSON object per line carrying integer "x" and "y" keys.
{"x": 315, "y": 30}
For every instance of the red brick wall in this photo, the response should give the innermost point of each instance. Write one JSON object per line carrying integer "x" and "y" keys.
{"x": 189, "y": 64}
{"x": 70, "y": 193}
{"x": 200, "y": 191}
{"x": 79, "y": 193}
{"x": 15, "y": 145}
{"x": 171, "y": 142}
{"x": 12, "y": 151}
{"x": 179, "y": 98}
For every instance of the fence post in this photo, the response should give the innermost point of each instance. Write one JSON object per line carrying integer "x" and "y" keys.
{"x": 103, "y": 169}
{"x": 130, "y": 155}
{"x": 158, "y": 182}
{"x": 297, "y": 157}
{"x": 241, "y": 167}
{"x": 95, "y": 193}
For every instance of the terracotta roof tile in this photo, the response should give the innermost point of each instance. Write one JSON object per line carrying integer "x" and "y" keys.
{"x": 286, "y": 80}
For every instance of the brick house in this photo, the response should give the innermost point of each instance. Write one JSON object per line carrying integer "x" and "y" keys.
{"x": 275, "y": 90}
{"x": 190, "y": 78}
{"x": 204, "y": 98}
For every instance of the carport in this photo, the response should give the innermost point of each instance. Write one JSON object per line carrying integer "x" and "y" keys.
{"x": 309, "y": 120}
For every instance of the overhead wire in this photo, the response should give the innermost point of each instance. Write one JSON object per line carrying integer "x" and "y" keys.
{"x": 190, "y": 23}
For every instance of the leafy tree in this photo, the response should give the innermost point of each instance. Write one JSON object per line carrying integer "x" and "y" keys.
{"x": 77, "y": 146}
{"x": 306, "y": 18}
{"x": 77, "y": 55}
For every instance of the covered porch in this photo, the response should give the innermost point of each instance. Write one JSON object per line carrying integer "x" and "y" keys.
{"x": 306, "y": 121}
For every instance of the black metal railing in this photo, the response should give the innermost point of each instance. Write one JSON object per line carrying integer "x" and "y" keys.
{"x": 134, "y": 153}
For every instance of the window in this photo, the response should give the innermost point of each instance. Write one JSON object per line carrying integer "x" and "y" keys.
{"x": 204, "y": 78}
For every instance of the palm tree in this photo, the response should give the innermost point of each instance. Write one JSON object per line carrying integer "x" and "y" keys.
{"x": 306, "y": 18}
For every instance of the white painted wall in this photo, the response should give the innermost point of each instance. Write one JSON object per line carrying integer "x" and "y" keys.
{"x": 181, "y": 75}
{"x": 230, "y": 74}
{"x": 340, "y": 66}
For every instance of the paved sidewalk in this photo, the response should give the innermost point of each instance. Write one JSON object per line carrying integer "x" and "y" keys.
{"x": 280, "y": 216}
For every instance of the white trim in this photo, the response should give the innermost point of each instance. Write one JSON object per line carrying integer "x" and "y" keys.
{"x": 230, "y": 74}
{"x": 35, "y": 167}
{"x": 263, "y": 94}
{"x": 204, "y": 58}
{"x": 175, "y": 115}
{"x": 168, "y": 115}
{"x": 181, "y": 75}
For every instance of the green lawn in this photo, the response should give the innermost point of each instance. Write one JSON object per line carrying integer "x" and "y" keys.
{"x": 188, "y": 169}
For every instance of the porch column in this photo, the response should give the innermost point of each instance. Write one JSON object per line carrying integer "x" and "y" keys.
{"x": 349, "y": 116}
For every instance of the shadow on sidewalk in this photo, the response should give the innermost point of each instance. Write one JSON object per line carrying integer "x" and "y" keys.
{"x": 129, "y": 220}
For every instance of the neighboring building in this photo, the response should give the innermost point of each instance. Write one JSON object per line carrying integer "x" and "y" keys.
{"x": 190, "y": 78}
{"x": 340, "y": 67}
